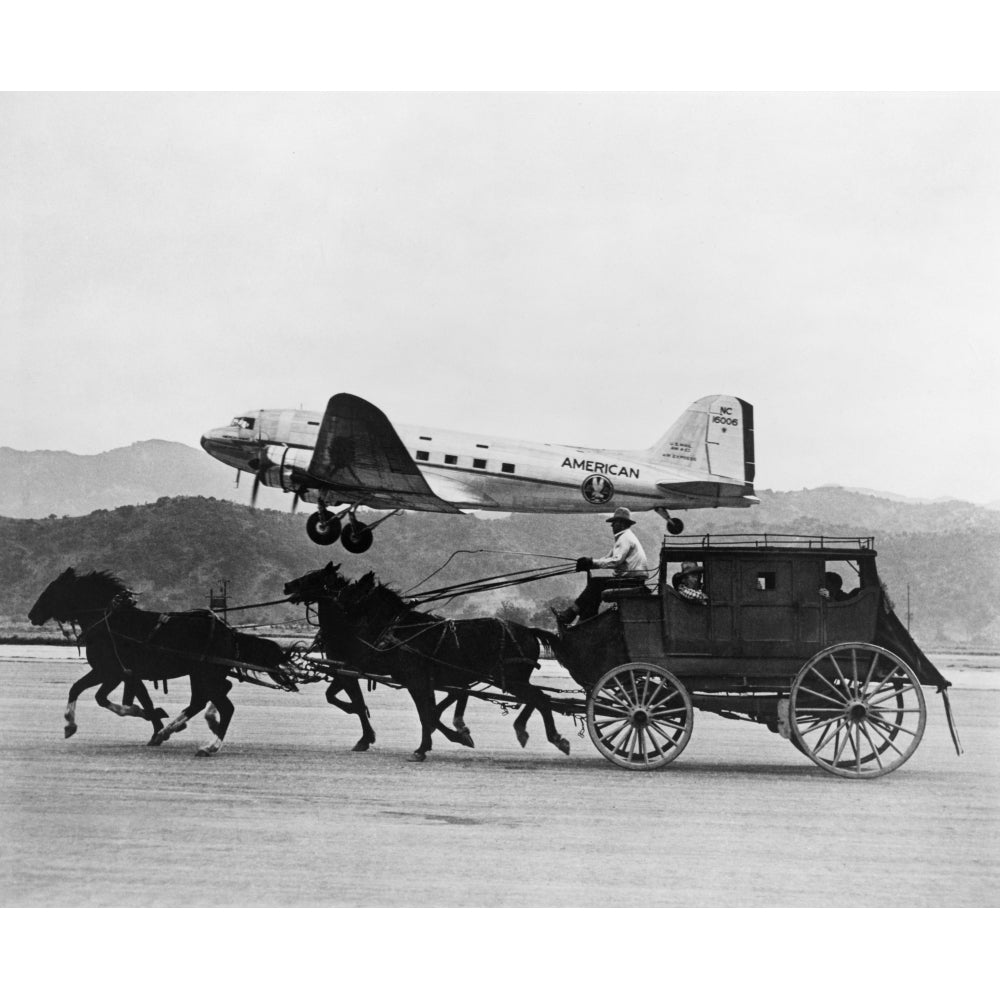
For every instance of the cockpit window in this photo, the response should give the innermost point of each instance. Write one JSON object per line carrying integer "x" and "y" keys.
{"x": 245, "y": 423}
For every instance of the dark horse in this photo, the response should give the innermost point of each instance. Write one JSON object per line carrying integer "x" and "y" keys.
{"x": 321, "y": 587}
{"x": 379, "y": 633}
{"x": 127, "y": 644}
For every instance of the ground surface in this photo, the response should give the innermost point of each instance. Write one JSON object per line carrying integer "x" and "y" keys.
{"x": 286, "y": 815}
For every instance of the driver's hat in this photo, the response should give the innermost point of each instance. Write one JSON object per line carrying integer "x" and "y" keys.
{"x": 622, "y": 514}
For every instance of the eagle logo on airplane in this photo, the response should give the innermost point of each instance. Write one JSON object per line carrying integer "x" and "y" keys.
{"x": 597, "y": 489}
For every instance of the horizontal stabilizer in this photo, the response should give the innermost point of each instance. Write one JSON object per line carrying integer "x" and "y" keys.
{"x": 360, "y": 457}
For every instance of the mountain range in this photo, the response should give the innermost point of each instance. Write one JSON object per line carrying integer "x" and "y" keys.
{"x": 151, "y": 514}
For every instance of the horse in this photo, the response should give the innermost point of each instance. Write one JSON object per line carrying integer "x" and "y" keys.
{"x": 127, "y": 644}
{"x": 378, "y": 631}
{"x": 320, "y": 587}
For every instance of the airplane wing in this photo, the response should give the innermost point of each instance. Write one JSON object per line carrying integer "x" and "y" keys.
{"x": 360, "y": 457}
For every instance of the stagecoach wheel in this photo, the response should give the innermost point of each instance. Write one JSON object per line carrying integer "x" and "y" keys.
{"x": 357, "y": 537}
{"x": 639, "y": 716}
{"x": 857, "y": 710}
{"x": 322, "y": 530}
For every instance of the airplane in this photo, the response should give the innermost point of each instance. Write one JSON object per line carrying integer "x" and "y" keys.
{"x": 352, "y": 455}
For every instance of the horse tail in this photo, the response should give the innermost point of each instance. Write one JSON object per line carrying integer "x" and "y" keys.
{"x": 549, "y": 640}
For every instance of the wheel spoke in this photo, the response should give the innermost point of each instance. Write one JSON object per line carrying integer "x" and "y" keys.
{"x": 826, "y": 680}
{"x": 666, "y": 694}
{"x": 840, "y": 747}
{"x": 641, "y": 734}
{"x": 890, "y": 729}
{"x": 615, "y": 711}
{"x": 877, "y": 754}
{"x": 621, "y": 738}
{"x": 882, "y": 684}
{"x": 671, "y": 739}
{"x": 658, "y": 750}
{"x": 618, "y": 700}
{"x": 816, "y": 725}
{"x": 871, "y": 669}
{"x": 825, "y": 697}
{"x": 838, "y": 725}
{"x": 897, "y": 692}
{"x": 836, "y": 666}
{"x": 610, "y": 736}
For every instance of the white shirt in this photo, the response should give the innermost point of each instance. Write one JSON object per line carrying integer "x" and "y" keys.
{"x": 626, "y": 556}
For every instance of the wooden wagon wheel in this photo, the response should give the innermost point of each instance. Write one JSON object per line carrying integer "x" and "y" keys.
{"x": 639, "y": 716}
{"x": 857, "y": 710}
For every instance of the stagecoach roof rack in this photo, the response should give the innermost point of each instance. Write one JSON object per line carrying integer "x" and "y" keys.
{"x": 771, "y": 541}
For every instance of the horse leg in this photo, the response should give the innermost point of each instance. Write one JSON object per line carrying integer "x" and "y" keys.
{"x": 423, "y": 698}
{"x": 218, "y": 717}
{"x": 521, "y": 724}
{"x": 356, "y": 706}
{"x": 199, "y": 699}
{"x": 458, "y": 719}
{"x": 534, "y": 698}
{"x": 88, "y": 680}
{"x": 461, "y": 733}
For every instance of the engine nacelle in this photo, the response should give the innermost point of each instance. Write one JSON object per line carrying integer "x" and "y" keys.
{"x": 279, "y": 464}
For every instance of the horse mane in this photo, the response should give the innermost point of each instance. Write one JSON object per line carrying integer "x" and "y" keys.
{"x": 103, "y": 579}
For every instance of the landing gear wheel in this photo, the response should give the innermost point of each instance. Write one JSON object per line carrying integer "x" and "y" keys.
{"x": 322, "y": 530}
{"x": 639, "y": 716}
{"x": 357, "y": 537}
{"x": 675, "y": 525}
{"x": 857, "y": 710}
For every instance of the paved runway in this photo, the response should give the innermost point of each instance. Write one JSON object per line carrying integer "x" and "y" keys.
{"x": 286, "y": 815}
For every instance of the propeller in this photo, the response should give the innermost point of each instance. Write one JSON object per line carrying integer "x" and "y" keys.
{"x": 259, "y": 465}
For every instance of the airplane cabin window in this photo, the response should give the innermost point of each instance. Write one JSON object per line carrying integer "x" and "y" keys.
{"x": 506, "y": 467}
{"x": 479, "y": 463}
{"x": 423, "y": 456}
{"x": 451, "y": 460}
{"x": 246, "y": 423}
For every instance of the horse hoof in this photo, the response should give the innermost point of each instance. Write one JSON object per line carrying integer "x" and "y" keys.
{"x": 158, "y": 738}
{"x": 563, "y": 744}
{"x": 417, "y": 757}
{"x": 207, "y": 751}
{"x": 362, "y": 745}
{"x": 68, "y": 731}
{"x": 522, "y": 736}
{"x": 465, "y": 739}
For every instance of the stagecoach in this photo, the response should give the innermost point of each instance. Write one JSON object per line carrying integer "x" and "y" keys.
{"x": 840, "y": 679}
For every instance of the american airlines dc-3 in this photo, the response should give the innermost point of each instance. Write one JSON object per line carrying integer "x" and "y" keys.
{"x": 352, "y": 455}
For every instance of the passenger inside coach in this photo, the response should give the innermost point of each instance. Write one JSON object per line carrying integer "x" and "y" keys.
{"x": 833, "y": 588}
{"x": 688, "y": 583}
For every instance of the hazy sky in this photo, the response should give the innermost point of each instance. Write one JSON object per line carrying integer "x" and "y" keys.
{"x": 573, "y": 268}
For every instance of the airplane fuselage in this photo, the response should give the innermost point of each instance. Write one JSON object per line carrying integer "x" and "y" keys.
{"x": 474, "y": 471}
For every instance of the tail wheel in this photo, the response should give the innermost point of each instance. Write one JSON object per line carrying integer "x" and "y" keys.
{"x": 639, "y": 716}
{"x": 322, "y": 530}
{"x": 357, "y": 537}
{"x": 857, "y": 710}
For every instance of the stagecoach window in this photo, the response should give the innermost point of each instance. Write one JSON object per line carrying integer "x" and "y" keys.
{"x": 423, "y": 456}
{"x": 506, "y": 467}
{"x": 767, "y": 581}
{"x": 451, "y": 459}
{"x": 479, "y": 463}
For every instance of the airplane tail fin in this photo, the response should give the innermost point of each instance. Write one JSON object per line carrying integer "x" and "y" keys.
{"x": 712, "y": 438}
